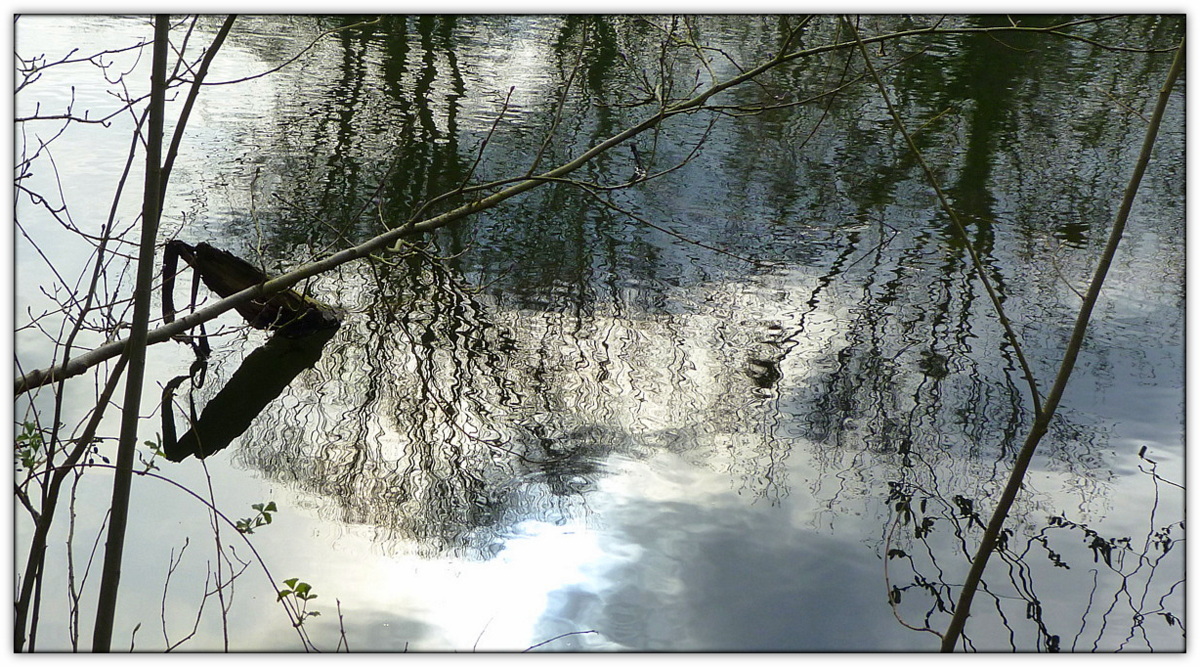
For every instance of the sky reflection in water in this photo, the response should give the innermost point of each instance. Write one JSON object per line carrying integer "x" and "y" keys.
{"x": 580, "y": 425}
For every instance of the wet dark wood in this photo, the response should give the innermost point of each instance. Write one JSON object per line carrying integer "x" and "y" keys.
{"x": 288, "y": 312}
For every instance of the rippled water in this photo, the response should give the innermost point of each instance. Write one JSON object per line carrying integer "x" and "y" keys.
{"x": 555, "y": 421}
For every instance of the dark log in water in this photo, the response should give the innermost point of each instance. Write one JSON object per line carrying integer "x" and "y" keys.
{"x": 290, "y": 313}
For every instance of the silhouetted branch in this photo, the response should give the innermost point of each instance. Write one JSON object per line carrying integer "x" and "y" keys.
{"x": 136, "y": 349}
{"x": 1078, "y": 333}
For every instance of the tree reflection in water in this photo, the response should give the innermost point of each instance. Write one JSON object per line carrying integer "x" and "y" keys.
{"x": 442, "y": 415}
{"x": 440, "y": 422}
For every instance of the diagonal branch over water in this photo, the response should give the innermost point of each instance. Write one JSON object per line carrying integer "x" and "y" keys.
{"x": 510, "y": 188}
{"x": 1078, "y": 333}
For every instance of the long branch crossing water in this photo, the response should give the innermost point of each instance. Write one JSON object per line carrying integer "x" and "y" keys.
{"x": 600, "y": 424}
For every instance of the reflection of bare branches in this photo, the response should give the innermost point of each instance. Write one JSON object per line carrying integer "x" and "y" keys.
{"x": 443, "y": 482}
{"x": 894, "y": 592}
{"x": 450, "y": 425}
{"x": 981, "y": 274}
{"x": 559, "y": 107}
{"x": 298, "y": 55}
{"x": 641, "y": 220}
{"x": 846, "y": 82}
{"x": 664, "y": 88}
{"x": 1049, "y": 553}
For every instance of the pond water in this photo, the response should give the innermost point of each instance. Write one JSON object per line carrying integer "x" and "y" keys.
{"x": 759, "y": 402}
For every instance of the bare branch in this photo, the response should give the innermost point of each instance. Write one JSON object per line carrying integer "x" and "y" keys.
{"x": 519, "y": 186}
{"x": 1078, "y": 333}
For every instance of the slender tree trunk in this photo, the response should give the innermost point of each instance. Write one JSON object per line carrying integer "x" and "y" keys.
{"x": 1042, "y": 421}
{"x": 136, "y": 349}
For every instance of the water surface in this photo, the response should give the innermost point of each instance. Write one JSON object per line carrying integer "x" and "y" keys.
{"x": 558, "y": 421}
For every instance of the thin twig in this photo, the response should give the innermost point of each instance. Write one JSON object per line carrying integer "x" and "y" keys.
{"x": 565, "y": 634}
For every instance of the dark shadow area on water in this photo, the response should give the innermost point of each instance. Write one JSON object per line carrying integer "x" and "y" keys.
{"x": 261, "y": 378}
